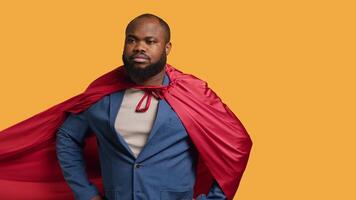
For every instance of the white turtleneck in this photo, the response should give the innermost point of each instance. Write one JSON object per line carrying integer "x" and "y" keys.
{"x": 133, "y": 126}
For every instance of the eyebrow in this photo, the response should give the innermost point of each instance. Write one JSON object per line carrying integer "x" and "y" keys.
{"x": 135, "y": 37}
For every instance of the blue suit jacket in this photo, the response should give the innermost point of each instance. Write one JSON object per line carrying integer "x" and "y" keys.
{"x": 164, "y": 169}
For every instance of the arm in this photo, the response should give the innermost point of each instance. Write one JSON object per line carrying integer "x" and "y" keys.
{"x": 215, "y": 193}
{"x": 70, "y": 142}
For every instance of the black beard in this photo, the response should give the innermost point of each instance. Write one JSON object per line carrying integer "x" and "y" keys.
{"x": 143, "y": 74}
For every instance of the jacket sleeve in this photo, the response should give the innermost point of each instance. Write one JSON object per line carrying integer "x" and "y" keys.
{"x": 69, "y": 145}
{"x": 215, "y": 193}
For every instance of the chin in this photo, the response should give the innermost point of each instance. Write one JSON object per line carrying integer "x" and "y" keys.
{"x": 140, "y": 65}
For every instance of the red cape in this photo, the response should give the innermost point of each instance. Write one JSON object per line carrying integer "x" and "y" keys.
{"x": 29, "y": 167}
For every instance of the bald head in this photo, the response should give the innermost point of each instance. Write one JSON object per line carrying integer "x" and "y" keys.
{"x": 141, "y": 19}
{"x": 147, "y": 44}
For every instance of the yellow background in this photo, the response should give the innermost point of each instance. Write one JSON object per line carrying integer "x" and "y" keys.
{"x": 286, "y": 68}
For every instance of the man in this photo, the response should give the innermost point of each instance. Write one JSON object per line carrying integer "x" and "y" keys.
{"x": 170, "y": 162}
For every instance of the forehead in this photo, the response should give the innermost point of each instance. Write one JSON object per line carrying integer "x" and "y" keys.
{"x": 145, "y": 27}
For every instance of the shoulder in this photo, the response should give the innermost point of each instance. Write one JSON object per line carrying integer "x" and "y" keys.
{"x": 104, "y": 102}
{"x": 192, "y": 85}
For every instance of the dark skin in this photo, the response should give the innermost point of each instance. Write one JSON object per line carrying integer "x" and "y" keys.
{"x": 145, "y": 36}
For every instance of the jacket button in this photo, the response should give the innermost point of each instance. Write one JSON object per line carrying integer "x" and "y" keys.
{"x": 137, "y": 165}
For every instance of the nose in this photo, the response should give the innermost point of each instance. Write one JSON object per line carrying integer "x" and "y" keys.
{"x": 140, "y": 47}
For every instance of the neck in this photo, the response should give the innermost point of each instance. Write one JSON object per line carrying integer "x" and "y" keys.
{"x": 154, "y": 80}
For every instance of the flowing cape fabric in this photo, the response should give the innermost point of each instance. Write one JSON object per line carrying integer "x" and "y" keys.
{"x": 29, "y": 167}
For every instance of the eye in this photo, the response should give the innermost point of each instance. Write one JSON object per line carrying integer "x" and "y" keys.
{"x": 130, "y": 40}
{"x": 150, "y": 42}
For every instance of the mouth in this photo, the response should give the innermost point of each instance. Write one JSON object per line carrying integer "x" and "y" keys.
{"x": 139, "y": 58}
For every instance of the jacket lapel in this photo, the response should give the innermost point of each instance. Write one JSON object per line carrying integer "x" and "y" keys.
{"x": 161, "y": 118}
{"x": 115, "y": 102}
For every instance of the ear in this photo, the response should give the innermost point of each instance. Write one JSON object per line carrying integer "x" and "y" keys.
{"x": 168, "y": 48}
